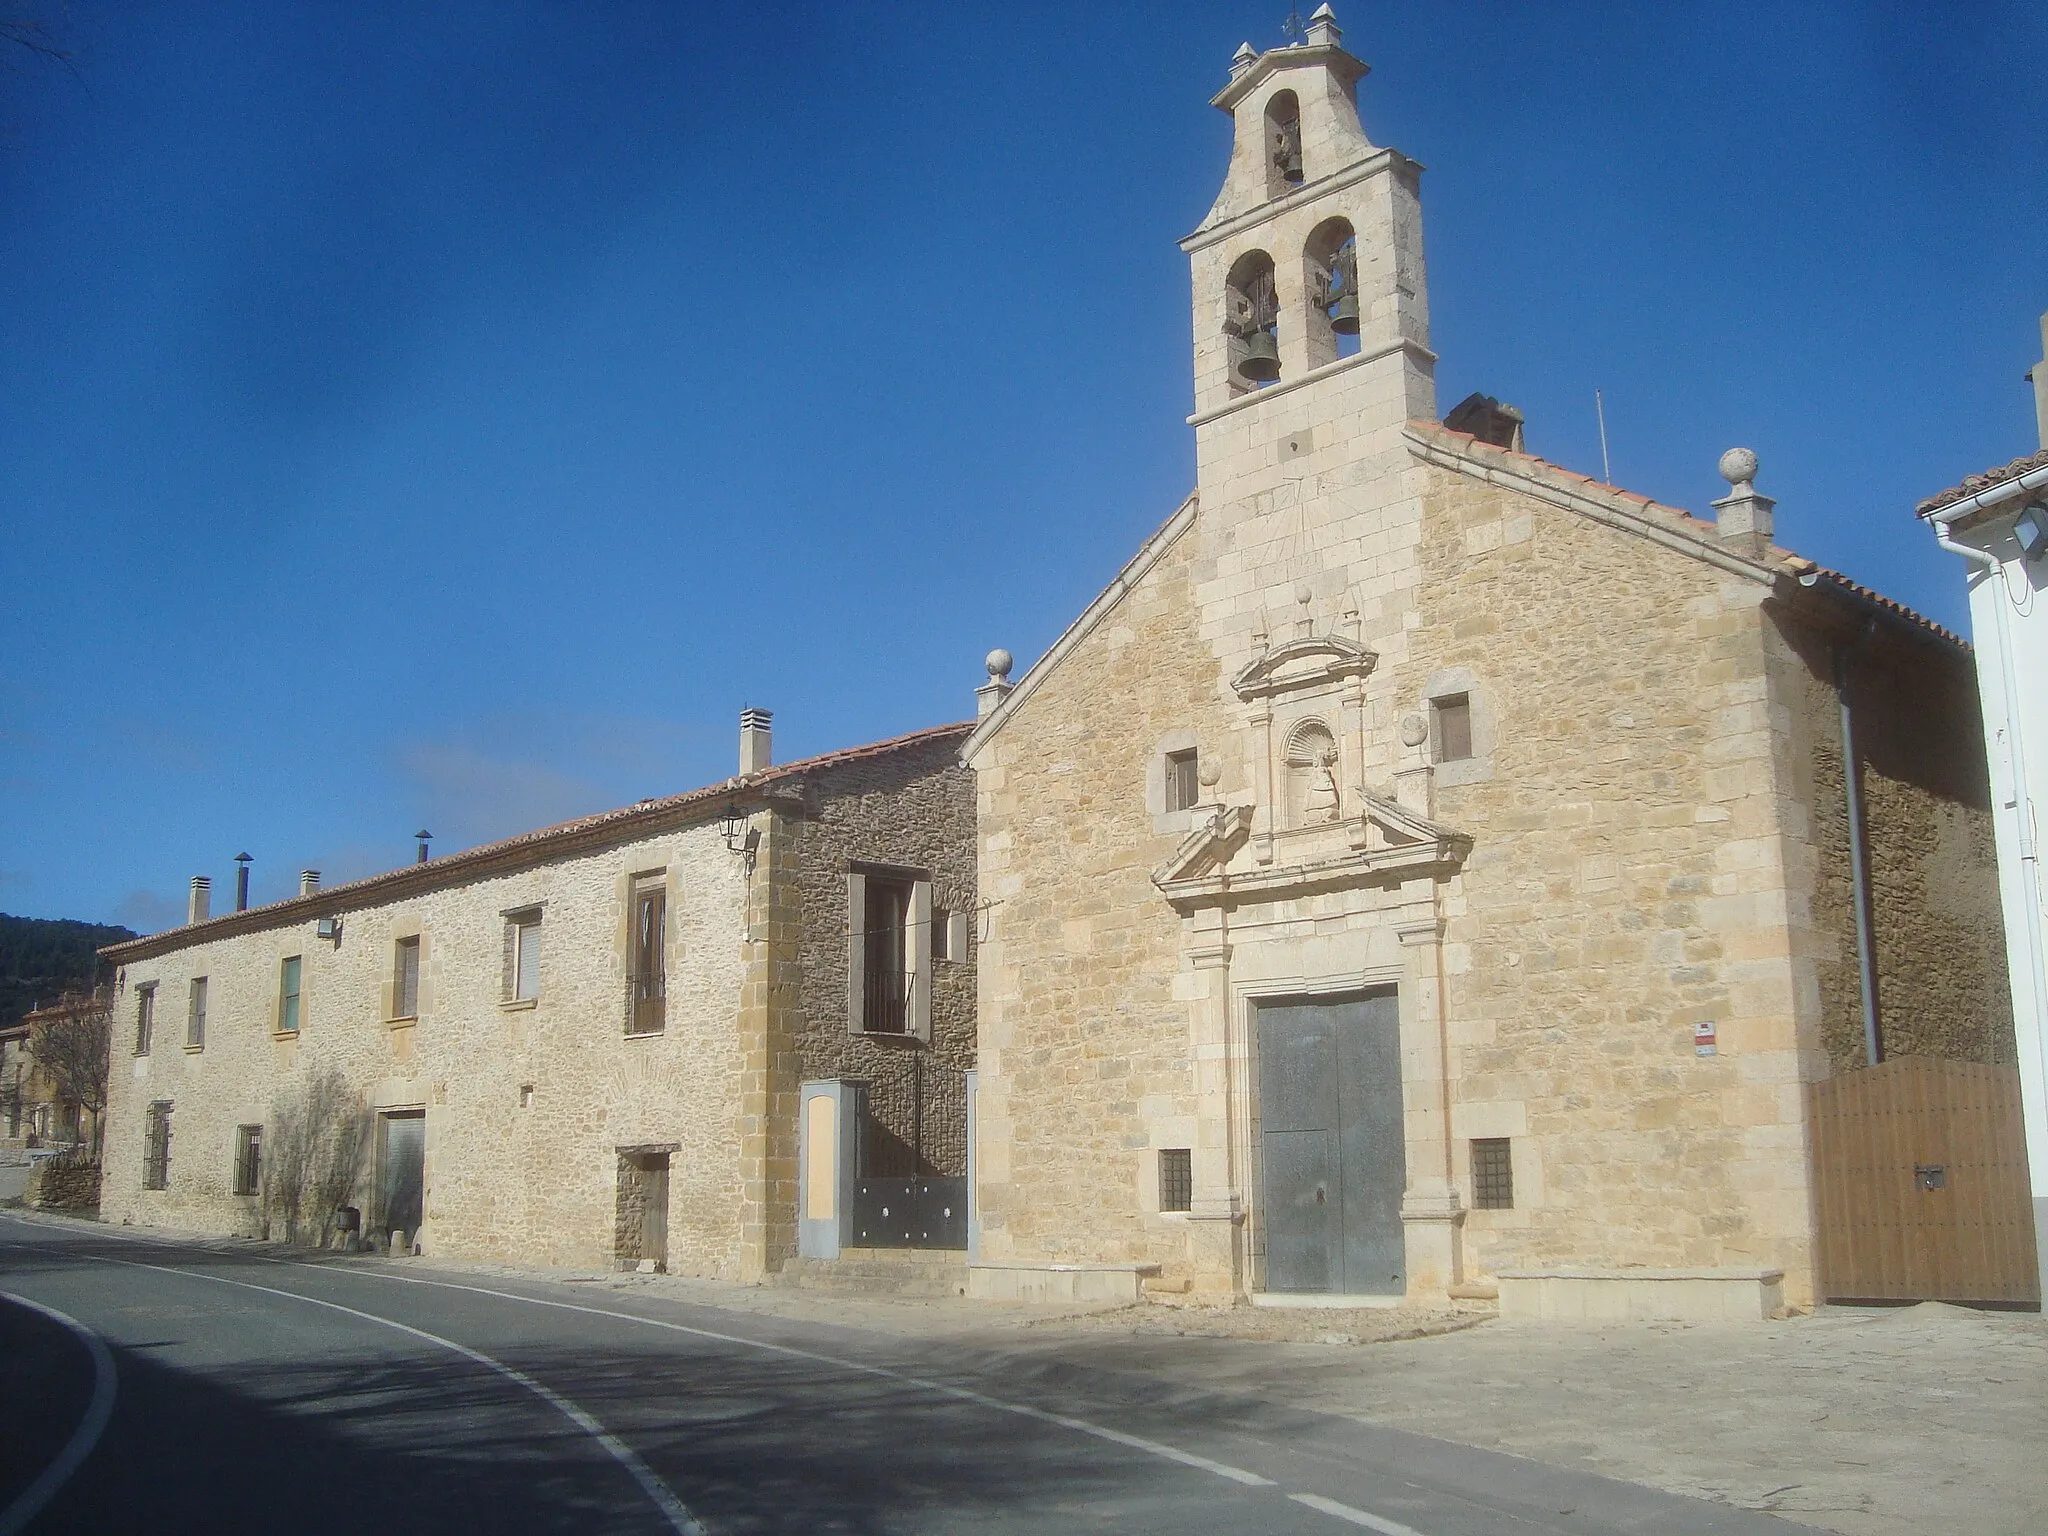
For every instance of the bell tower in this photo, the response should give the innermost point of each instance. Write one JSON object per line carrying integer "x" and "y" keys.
{"x": 1311, "y": 316}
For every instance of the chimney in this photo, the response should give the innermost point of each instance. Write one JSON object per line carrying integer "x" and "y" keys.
{"x": 200, "y": 906}
{"x": 997, "y": 688}
{"x": 425, "y": 838}
{"x": 241, "y": 882}
{"x": 756, "y": 748}
{"x": 1742, "y": 516}
{"x": 309, "y": 881}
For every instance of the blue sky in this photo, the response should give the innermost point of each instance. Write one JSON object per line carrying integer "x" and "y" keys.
{"x": 452, "y": 415}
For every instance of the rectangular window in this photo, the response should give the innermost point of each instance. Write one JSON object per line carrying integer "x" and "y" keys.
{"x": 288, "y": 996}
{"x": 195, "y": 1016}
{"x": 1493, "y": 1174}
{"x": 1183, "y": 782}
{"x": 1451, "y": 721}
{"x": 156, "y": 1146}
{"x": 1176, "y": 1179}
{"x": 405, "y": 979}
{"x": 248, "y": 1159}
{"x": 145, "y": 1016}
{"x": 650, "y": 958}
{"x": 887, "y": 953}
{"x": 522, "y": 944}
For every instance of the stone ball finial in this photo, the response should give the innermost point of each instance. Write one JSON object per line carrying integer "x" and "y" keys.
{"x": 1302, "y": 595}
{"x": 1210, "y": 772}
{"x": 1738, "y": 466}
{"x": 999, "y": 662}
{"x": 1414, "y": 729}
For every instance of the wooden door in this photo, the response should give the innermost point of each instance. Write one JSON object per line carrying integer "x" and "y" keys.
{"x": 1920, "y": 1184}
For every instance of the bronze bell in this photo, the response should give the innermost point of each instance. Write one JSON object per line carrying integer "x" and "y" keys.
{"x": 1344, "y": 314}
{"x": 1287, "y": 155}
{"x": 1261, "y": 362}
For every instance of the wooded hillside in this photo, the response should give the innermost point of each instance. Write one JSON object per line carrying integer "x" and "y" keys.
{"x": 42, "y": 957}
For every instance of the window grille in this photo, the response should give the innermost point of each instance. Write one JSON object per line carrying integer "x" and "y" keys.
{"x": 156, "y": 1147}
{"x": 886, "y": 978}
{"x": 248, "y": 1159}
{"x": 1183, "y": 784}
{"x": 195, "y": 1015}
{"x": 145, "y": 1017}
{"x": 1493, "y": 1174}
{"x": 288, "y": 996}
{"x": 1176, "y": 1179}
{"x": 650, "y": 964}
{"x": 1453, "y": 720}
{"x": 405, "y": 979}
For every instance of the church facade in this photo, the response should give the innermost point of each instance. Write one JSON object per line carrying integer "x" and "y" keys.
{"x": 1425, "y": 873}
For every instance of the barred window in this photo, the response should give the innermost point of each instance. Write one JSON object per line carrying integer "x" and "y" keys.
{"x": 1493, "y": 1174}
{"x": 156, "y": 1146}
{"x": 145, "y": 1016}
{"x": 248, "y": 1159}
{"x": 1176, "y": 1179}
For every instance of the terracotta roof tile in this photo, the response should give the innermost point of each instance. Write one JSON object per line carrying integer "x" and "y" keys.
{"x": 437, "y": 870}
{"x": 1984, "y": 482}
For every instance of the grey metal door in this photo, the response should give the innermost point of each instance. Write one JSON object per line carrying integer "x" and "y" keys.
{"x": 1333, "y": 1161}
{"x": 404, "y": 1170}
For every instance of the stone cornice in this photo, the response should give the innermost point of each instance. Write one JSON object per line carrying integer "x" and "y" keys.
{"x": 1342, "y": 658}
{"x": 1345, "y": 176}
{"x": 1197, "y": 875}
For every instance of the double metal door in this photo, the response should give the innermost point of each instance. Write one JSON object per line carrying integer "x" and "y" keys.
{"x": 1334, "y": 1165}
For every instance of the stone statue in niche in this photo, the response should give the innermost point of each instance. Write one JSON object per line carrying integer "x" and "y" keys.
{"x": 1323, "y": 804}
{"x": 1313, "y": 799}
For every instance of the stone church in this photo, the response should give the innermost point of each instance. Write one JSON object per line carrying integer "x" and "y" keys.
{"x": 1428, "y": 873}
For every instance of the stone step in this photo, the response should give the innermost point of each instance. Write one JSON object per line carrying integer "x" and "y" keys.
{"x": 914, "y": 1272}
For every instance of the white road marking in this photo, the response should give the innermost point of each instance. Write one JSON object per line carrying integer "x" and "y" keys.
{"x": 679, "y": 1518}
{"x": 17, "y": 1515}
{"x": 1157, "y": 1448}
{"x": 962, "y": 1394}
{"x": 1371, "y": 1522}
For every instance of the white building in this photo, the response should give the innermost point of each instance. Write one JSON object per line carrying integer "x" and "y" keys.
{"x": 1998, "y": 521}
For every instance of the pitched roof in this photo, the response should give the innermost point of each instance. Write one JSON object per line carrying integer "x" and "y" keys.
{"x": 565, "y": 837}
{"x": 1984, "y": 482}
{"x": 1699, "y": 532}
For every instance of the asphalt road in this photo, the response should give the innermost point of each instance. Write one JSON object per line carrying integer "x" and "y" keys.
{"x": 234, "y": 1390}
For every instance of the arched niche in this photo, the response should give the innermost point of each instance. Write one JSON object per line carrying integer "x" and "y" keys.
{"x": 1312, "y": 796}
{"x": 1251, "y": 321}
{"x": 1330, "y": 279}
{"x": 1284, "y": 170}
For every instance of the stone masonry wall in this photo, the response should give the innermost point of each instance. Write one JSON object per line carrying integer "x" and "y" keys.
{"x": 1937, "y": 928}
{"x": 1625, "y": 884}
{"x": 1085, "y": 1043}
{"x": 509, "y": 1174}
{"x": 915, "y": 809}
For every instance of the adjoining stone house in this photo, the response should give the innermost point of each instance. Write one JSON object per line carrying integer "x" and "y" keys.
{"x": 1426, "y": 872}
{"x": 585, "y": 1045}
{"x": 34, "y": 1109}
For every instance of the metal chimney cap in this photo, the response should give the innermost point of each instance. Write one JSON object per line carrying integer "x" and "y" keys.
{"x": 243, "y": 858}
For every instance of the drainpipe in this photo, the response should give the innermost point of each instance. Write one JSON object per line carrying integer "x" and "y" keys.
{"x": 1859, "y": 868}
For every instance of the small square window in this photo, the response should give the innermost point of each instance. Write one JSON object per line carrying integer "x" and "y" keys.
{"x": 405, "y": 979}
{"x": 1493, "y": 1174}
{"x": 1176, "y": 1179}
{"x": 1183, "y": 781}
{"x": 248, "y": 1159}
{"x": 145, "y": 1017}
{"x": 288, "y": 996}
{"x": 1451, "y": 727}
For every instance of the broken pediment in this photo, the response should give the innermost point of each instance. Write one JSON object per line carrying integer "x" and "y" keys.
{"x": 1386, "y": 842}
{"x": 1314, "y": 661}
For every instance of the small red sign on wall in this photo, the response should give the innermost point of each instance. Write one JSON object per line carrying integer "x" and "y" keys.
{"x": 1703, "y": 1038}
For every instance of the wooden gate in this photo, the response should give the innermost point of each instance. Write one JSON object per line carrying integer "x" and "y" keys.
{"x": 1920, "y": 1184}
